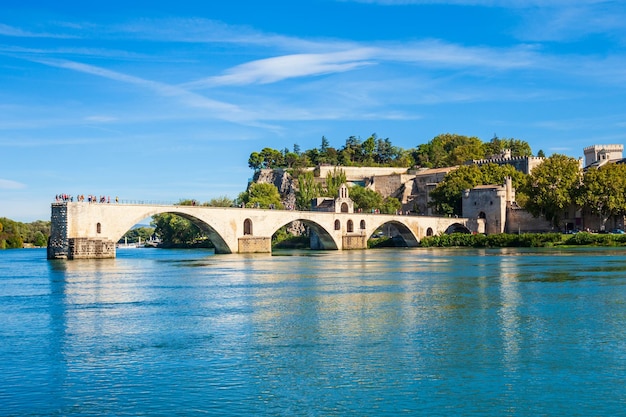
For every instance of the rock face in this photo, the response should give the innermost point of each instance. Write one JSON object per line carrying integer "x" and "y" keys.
{"x": 287, "y": 190}
{"x": 282, "y": 180}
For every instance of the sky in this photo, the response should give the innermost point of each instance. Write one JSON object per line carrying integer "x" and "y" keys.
{"x": 160, "y": 101}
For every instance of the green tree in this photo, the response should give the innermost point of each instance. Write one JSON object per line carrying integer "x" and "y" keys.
{"x": 365, "y": 198}
{"x": 308, "y": 189}
{"x": 541, "y": 153}
{"x": 222, "y": 201}
{"x": 448, "y": 150}
{"x": 446, "y": 197}
{"x": 255, "y": 161}
{"x": 390, "y": 205}
{"x": 603, "y": 191}
{"x": 262, "y": 195}
{"x": 517, "y": 147}
{"x": 552, "y": 187}
{"x": 368, "y": 147}
{"x": 334, "y": 180}
{"x": 175, "y": 230}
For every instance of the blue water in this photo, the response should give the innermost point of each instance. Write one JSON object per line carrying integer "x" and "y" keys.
{"x": 368, "y": 333}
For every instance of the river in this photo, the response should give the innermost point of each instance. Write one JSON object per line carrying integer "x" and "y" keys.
{"x": 433, "y": 332}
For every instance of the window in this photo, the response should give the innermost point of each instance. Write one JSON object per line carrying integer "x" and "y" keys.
{"x": 98, "y": 228}
{"x": 337, "y": 225}
{"x": 429, "y": 231}
{"x": 344, "y": 207}
{"x": 350, "y": 226}
{"x": 362, "y": 224}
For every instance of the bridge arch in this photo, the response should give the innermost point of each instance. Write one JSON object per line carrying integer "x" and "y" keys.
{"x": 207, "y": 229}
{"x": 322, "y": 238}
{"x": 457, "y": 228}
{"x": 408, "y": 237}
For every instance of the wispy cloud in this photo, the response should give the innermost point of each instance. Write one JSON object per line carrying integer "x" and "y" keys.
{"x": 10, "y": 31}
{"x": 11, "y": 185}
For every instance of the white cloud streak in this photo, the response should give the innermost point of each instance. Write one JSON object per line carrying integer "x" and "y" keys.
{"x": 11, "y": 185}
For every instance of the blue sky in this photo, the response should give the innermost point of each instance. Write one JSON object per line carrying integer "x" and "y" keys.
{"x": 162, "y": 100}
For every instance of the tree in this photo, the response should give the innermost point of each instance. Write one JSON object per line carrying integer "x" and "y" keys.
{"x": 368, "y": 147}
{"x": 390, "y": 205}
{"x": 603, "y": 191}
{"x": 334, "y": 180}
{"x": 365, "y": 198}
{"x": 552, "y": 186}
{"x": 448, "y": 150}
{"x": 175, "y": 230}
{"x": 223, "y": 201}
{"x": 308, "y": 189}
{"x": 497, "y": 145}
{"x": 541, "y": 154}
{"x": 446, "y": 197}
{"x": 261, "y": 195}
{"x": 255, "y": 161}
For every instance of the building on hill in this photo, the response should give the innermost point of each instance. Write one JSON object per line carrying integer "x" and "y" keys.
{"x": 598, "y": 155}
{"x": 524, "y": 164}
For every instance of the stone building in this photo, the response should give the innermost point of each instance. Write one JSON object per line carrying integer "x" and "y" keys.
{"x": 598, "y": 155}
{"x": 524, "y": 164}
{"x": 495, "y": 210}
{"x": 342, "y": 204}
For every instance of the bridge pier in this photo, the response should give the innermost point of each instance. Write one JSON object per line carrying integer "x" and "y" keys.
{"x": 255, "y": 244}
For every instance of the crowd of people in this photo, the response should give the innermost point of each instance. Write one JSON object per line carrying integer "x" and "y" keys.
{"x": 81, "y": 198}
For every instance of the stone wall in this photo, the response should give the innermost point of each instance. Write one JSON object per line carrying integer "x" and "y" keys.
{"x": 255, "y": 244}
{"x": 58, "y": 242}
{"x": 89, "y": 248}
{"x": 351, "y": 242}
{"x": 519, "y": 220}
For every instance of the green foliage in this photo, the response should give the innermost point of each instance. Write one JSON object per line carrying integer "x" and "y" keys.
{"x": 175, "y": 230}
{"x": 261, "y": 195}
{"x": 552, "y": 187}
{"x": 334, "y": 180}
{"x": 223, "y": 201}
{"x": 592, "y": 239}
{"x": 446, "y": 197}
{"x": 390, "y": 205}
{"x": 365, "y": 199}
{"x": 517, "y": 147}
{"x": 17, "y": 234}
{"x": 443, "y": 150}
{"x": 134, "y": 235}
{"x": 448, "y": 150}
{"x": 500, "y": 240}
{"x": 308, "y": 189}
{"x": 603, "y": 191}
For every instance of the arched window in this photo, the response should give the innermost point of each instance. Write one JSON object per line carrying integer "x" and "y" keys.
{"x": 337, "y": 225}
{"x": 482, "y": 215}
{"x": 98, "y": 228}
{"x": 362, "y": 224}
{"x": 247, "y": 227}
{"x": 344, "y": 207}
{"x": 350, "y": 226}
{"x": 429, "y": 231}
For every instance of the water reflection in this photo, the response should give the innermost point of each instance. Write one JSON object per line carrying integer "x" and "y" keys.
{"x": 315, "y": 333}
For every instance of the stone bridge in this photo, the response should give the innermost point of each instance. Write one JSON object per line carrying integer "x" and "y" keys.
{"x": 91, "y": 230}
